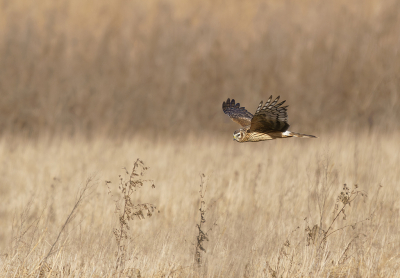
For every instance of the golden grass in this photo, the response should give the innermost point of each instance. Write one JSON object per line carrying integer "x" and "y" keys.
{"x": 256, "y": 193}
{"x": 87, "y": 87}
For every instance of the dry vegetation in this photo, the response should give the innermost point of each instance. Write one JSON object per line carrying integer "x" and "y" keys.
{"x": 87, "y": 87}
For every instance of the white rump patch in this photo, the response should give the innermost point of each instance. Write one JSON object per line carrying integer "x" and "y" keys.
{"x": 286, "y": 133}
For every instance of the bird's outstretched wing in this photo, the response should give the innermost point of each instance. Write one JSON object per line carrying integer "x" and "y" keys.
{"x": 238, "y": 114}
{"x": 270, "y": 117}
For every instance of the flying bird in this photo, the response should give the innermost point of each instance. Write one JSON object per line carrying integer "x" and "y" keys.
{"x": 268, "y": 123}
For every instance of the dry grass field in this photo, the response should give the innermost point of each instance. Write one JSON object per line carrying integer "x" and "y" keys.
{"x": 88, "y": 87}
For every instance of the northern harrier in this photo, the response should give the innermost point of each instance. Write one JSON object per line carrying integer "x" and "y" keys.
{"x": 268, "y": 123}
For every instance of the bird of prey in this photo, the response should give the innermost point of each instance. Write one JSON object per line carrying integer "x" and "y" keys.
{"x": 268, "y": 123}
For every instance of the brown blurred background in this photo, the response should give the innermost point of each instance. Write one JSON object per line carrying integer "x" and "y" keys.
{"x": 163, "y": 67}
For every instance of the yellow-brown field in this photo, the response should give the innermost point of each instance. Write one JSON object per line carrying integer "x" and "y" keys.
{"x": 87, "y": 87}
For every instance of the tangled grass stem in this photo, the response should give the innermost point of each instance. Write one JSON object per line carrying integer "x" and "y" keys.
{"x": 127, "y": 186}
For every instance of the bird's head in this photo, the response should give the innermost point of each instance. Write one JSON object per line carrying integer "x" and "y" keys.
{"x": 238, "y": 135}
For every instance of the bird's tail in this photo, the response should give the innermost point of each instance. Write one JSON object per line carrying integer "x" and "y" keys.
{"x": 295, "y": 134}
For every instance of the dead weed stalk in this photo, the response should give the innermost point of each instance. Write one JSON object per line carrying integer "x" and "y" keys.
{"x": 82, "y": 194}
{"x": 127, "y": 210}
{"x": 202, "y": 236}
{"x": 288, "y": 262}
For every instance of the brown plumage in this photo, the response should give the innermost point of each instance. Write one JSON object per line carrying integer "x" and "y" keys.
{"x": 268, "y": 123}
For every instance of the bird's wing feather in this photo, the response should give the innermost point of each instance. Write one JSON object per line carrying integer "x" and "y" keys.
{"x": 238, "y": 114}
{"x": 270, "y": 117}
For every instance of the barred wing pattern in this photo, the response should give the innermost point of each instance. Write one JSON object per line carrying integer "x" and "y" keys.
{"x": 238, "y": 114}
{"x": 270, "y": 117}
